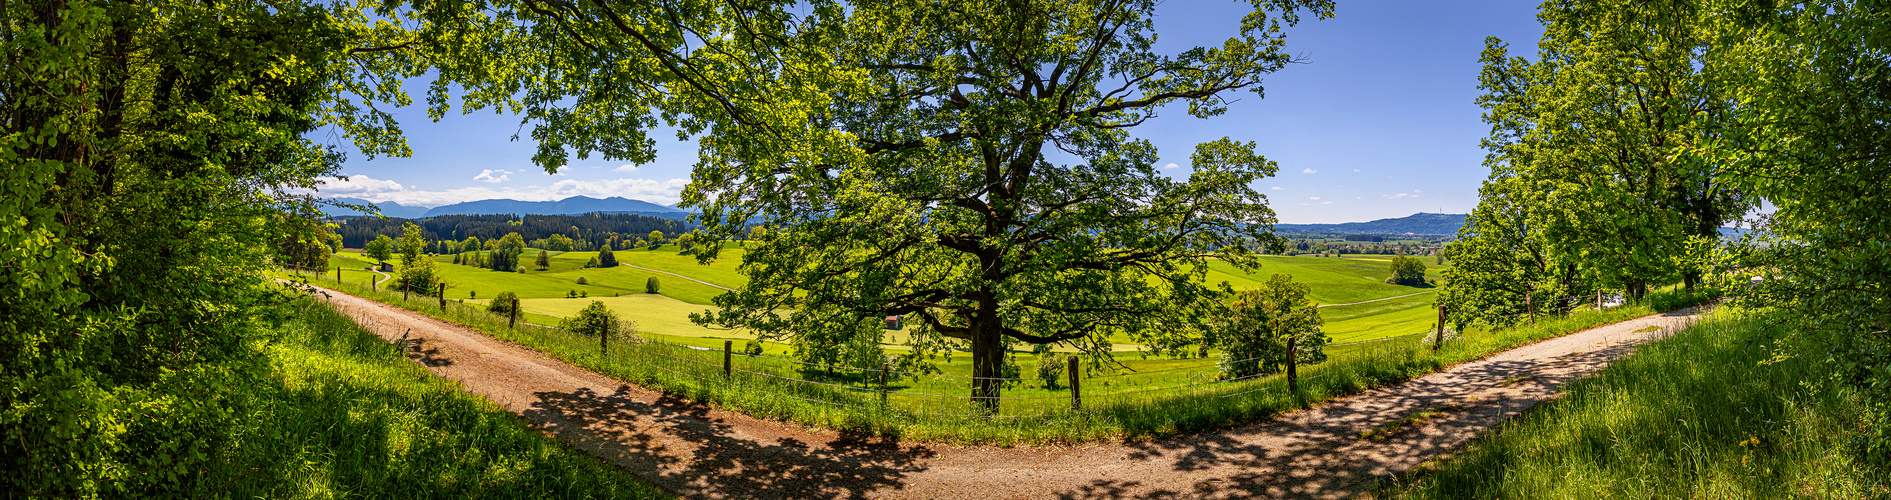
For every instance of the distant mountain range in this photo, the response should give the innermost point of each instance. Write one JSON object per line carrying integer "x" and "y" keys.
{"x": 388, "y": 208}
{"x": 568, "y": 206}
{"x": 1418, "y": 223}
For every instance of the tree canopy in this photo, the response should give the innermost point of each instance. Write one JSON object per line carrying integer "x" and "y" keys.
{"x": 970, "y": 166}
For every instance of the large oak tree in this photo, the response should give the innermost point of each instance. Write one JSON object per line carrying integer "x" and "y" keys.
{"x": 967, "y": 164}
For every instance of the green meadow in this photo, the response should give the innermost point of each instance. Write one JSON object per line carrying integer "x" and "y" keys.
{"x": 545, "y": 293}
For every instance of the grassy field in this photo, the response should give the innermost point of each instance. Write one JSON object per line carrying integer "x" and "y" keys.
{"x": 1155, "y": 397}
{"x": 347, "y": 415}
{"x": 1710, "y": 412}
{"x": 1332, "y": 281}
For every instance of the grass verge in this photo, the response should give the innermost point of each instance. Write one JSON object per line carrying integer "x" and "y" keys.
{"x": 1711, "y": 412}
{"x": 347, "y": 415}
{"x": 1121, "y": 406}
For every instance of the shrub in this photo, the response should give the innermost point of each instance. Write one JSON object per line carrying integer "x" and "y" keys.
{"x": 1254, "y": 336}
{"x": 652, "y": 286}
{"x": 502, "y": 304}
{"x": 1408, "y": 271}
{"x": 582, "y": 281}
{"x": 1049, "y": 369}
{"x": 754, "y": 348}
{"x": 606, "y": 258}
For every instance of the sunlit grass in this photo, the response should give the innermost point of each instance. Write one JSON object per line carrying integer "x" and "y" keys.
{"x": 347, "y": 415}
{"x": 1710, "y": 412}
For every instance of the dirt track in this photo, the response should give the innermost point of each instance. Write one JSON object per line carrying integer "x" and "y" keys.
{"x": 696, "y": 451}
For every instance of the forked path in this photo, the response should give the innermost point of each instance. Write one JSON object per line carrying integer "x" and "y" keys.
{"x": 697, "y": 451}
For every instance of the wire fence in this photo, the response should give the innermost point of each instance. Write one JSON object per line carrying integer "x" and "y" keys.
{"x": 804, "y": 390}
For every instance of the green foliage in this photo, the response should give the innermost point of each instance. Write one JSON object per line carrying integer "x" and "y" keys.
{"x": 606, "y": 259}
{"x": 1407, "y": 271}
{"x": 596, "y": 320}
{"x": 470, "y": 244}
{"x": 505, "y": 253}
{"x": 1809, "y": 136}
{"x": 381, "y": 249}
{"x": 1050, "y": 369}
{"x": 652, "y": 285}
{"x": 148, "y": 150}
{"x": 582, "y": 281}
{"x": 502, "y": 304}
{"x": 1254, "y": 330}
{"x": 304, "y": 244}
{"x": 544, "y": 260}
{"x": 418, "y": 273}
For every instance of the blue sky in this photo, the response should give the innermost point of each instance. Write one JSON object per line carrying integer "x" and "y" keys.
{"x": 1379, "y": 122}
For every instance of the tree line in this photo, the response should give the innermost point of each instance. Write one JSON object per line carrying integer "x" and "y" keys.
{"x": 580, "y": 232}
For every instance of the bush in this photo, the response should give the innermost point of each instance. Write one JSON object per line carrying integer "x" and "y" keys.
{"x": 1407, "y": 271}
{"x": 502, "y": 304}
{"x": 652, "y": 286}
{"x": 1254, "y": 336}
{"x": 754, "y": 348}
{"x": 606, "y": 258}
{"x": 1049, "y": 369}
{"x": 581, "y": 281}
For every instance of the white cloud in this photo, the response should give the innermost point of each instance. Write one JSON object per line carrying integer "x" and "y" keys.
{"x": 1355, "y": 170}
{"x": 1278, "y": 188}
{"x": 627, "y": 167}
{"x": 1171, "y": 166}
{"x": 1328, "y": 202}
{"x": 562, "y": 170}
{"x": 1307, "y": 171}
{"x": 355, "y": 184}
{"x": 1315, "y": 198}
{"x": 486, "y": 175}
{"x": 1417, "y": 191}
{"x": 1399, "y": 196}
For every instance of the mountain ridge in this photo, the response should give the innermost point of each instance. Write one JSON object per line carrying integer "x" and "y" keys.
{"x": 1422, "y": 223}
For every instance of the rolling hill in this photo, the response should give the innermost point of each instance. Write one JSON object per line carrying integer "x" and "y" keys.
{"x": 1418, "y": 223}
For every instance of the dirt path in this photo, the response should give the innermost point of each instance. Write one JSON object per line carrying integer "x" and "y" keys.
{"x": 697, "y": 451}
{"x": 712, "y": 285}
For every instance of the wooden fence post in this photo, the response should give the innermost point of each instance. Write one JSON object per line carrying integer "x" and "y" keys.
{"x": 1293, "y": 375}
{"x": 443, "y": 296}
{"x": 1076, "y": 391}
{"x": 1598, "y": 300}
{"x": 337, "y": 275}
{"x": 1529, "y": 300}
{"x": 513, "y": 321}
{"x": 882, "y": 385}
{"x": 604, "y": 338}
{"x": 1440, "y": 341}
{"x": 728, "y": 347}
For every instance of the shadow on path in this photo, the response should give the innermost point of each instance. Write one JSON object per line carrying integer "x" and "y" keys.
{"x": 681, "y": 446}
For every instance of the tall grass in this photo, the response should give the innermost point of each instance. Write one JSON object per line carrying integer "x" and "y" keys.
{"x": 347, "y": 415}
{"x": 1710, "y": 412}
{"x": 934, "y": 407}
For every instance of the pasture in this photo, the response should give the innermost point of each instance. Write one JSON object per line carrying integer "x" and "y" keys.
{"x": 544, "y": 292}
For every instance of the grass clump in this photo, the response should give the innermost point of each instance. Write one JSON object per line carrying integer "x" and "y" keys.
{"x": 1711, "y": 412}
